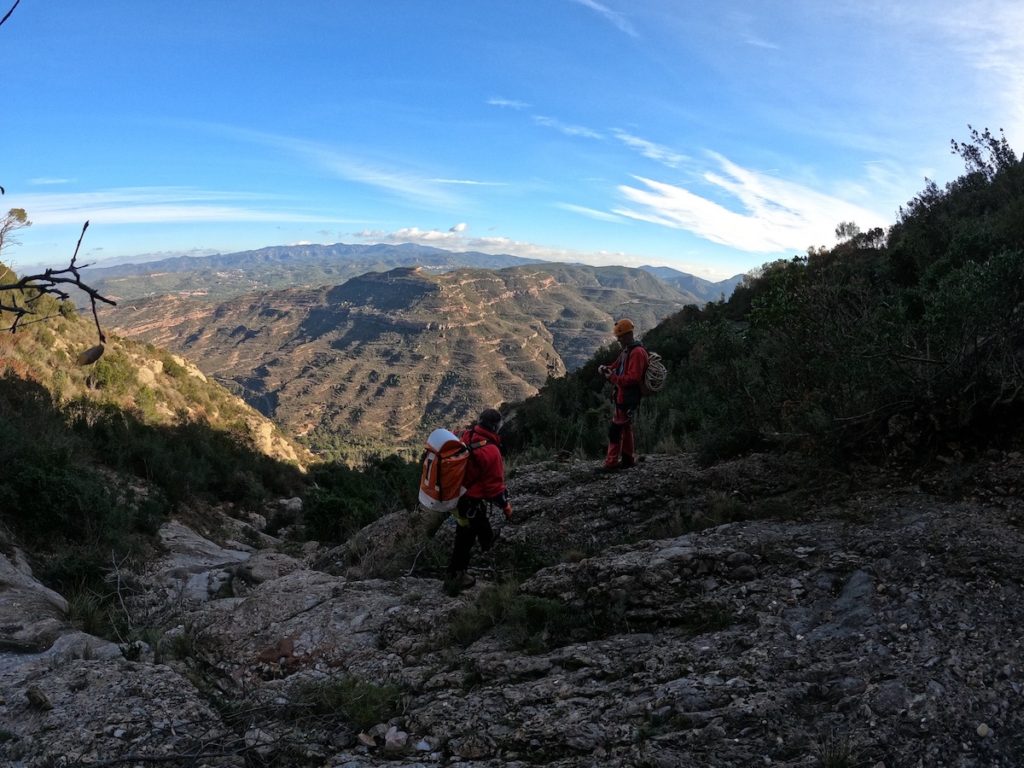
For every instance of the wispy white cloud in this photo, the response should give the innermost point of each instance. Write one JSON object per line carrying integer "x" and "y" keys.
{"x": 650, "y": 150}
{"x": 470, "y": 182}
{"x": 138, "y": 205}
{"x": 973, "y": 52}
{"x": 991, "y": 35}
{"x": 407, "y": 183}
{"x": 435, "y": 237}
{"x": 404, "y": 183}
{"x": 44, "y": 181}
{"x": 508, "y": 103}
{"x": 772, "y": 215}
{"x": 616, "y": 18}
{"x": 590, "y": 213}
{"x": 568, "y": 130}
{"x": 758, "y": 42}
{"x": 459, "y": 228}
{"x": 457, "y": 241}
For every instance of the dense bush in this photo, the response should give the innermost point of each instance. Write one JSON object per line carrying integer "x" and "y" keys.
{"x": 67, "y": 486}
{"x": 361, "y": 703}
{"x": 62, "y": 502}
{"x": 342, "y": 499}
{"x": 908, "y": 342}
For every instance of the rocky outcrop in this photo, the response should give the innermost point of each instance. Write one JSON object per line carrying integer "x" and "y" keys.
{"x": 740, "y": 615}
{"x": 31, "y": 615}
{"x": 88, "y": 711}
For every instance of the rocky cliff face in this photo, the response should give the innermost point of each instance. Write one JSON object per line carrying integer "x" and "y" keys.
{"x": 386, "y": 357}
{"x": 671, "y": 615}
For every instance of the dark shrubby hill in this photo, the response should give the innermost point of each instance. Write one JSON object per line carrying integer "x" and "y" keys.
{"x": 95, "y": 457}
{"x": 904, "y": 343}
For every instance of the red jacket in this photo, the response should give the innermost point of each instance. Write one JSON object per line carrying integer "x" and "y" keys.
{"x": 485, "y": 470}
{"x": 627, "y": 372}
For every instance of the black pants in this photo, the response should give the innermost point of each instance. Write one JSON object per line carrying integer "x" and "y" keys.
{"x": 479, "y": 529}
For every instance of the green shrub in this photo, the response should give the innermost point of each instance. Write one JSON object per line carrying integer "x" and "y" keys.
{"x": 145, "y": 401}
{"x": 113, "y": 372}
{"x": 531, "y": 623}
{"x": 361, "y": 703}
{"x": 96, "y": 614}
{"x": 834, "y": 750}
{"x": 342, "y": 499}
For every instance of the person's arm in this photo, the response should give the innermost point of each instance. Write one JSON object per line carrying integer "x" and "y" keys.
{"x": 502, "y": 500}
{"x": 607, "y": 369}
{"x": 634, "y": 372}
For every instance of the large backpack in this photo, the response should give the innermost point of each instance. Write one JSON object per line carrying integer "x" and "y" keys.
{"x": 444, "y": 468}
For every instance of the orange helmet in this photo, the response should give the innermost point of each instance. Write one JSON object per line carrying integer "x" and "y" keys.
{"x": 623, "y": 326}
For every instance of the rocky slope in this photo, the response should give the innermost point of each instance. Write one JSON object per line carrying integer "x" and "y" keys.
{"x": 738, "y": 615}
{"x": 386, "y": 357}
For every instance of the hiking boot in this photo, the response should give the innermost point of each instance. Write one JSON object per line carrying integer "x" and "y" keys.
{"x": 627, "y": 463}
{"x": 461, "y": 580}
{"x": 606, "y": 469}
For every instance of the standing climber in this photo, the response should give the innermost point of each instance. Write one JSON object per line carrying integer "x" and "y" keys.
{"x": 485, "y": 483}
{"x": 626, "y": 374}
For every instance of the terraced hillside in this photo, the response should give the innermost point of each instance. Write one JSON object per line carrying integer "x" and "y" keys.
{"x": 382, "y": 358}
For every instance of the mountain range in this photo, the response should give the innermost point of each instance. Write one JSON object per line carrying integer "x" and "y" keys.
{"x": 386, "y": 356}
{"x": 703, "y": 290}
{"x": 284, "y": 266}
{"x": 288, "y": 266}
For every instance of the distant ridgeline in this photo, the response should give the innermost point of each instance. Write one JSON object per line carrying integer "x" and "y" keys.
{"x": 374, "y": 363}
{"x": 214, "y": 278}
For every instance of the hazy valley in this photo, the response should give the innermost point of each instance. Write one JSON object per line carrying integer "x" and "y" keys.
{"x": 385, "y": 356}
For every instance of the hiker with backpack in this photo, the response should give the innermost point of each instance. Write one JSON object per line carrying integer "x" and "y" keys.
{"x": 626, "y": 374}
{"x": 484, "y": 481}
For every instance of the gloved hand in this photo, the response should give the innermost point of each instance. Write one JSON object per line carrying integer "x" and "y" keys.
{"x": 507, "y": 509}
{"x": 603, "y": 370}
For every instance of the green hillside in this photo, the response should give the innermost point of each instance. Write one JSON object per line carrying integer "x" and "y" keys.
{"x": 95, "y": 456}
{"x": 902, "y": 343}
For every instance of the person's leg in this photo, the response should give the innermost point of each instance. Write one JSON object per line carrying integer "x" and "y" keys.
{"x": 459, "y": 560}
{"x": 628, "y": 447}
{"x": 611, "y": 458}
{"x": 615, "y": 435}
{"x": 464, "y": 536}
{"x": 481, "y": 525}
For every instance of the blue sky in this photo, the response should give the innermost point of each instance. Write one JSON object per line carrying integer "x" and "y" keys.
{"x": 710, "y": 137}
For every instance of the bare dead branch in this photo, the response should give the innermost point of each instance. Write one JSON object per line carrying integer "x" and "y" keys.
{"x": 894, "y": 407}
{"x": 118, "y": 585}
{"x": 51, "y": 282}
{"x": 5, "y": 18}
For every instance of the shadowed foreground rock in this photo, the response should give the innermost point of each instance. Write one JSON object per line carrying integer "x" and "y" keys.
{"x": 733, "y": 616}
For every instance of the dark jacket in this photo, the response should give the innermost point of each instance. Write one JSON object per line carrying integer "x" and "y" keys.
{"x": 627, "y": 372}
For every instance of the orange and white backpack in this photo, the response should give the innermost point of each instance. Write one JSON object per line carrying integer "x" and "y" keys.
{"x": 444, "y": 467}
